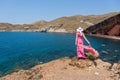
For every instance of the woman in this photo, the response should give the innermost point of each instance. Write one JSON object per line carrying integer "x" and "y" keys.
{"x": 80, "y": 45}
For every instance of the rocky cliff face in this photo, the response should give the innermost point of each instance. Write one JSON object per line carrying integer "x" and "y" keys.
{"x": 110, "y": 27}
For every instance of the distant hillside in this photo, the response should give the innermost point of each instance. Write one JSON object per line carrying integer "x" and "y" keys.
{"x": 63, "y": 24}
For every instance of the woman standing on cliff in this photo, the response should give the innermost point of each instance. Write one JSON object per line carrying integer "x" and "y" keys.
{"x": 80, "y": 45}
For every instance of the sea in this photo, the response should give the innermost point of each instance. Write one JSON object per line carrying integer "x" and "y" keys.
{"x": 23, "y": 50}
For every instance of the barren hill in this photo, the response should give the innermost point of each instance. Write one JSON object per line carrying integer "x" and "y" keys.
{"x": 63, "y": 24}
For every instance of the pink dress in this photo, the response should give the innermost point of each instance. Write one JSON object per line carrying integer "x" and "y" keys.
{"x": 81, "y": 47}
{"x": 79, "y": 43}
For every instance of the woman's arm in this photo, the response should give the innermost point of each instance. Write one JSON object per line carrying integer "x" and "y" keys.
{"x": 86, "y": 39}
{"x": 76, "y": 39}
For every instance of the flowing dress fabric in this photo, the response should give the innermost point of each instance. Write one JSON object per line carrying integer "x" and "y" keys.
{"x": 91, "y": 50}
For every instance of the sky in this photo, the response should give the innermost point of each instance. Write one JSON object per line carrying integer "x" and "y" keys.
{"x": 30, "y": 11}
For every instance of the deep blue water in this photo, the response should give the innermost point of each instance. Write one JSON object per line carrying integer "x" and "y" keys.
{"x": 22, "y": 50}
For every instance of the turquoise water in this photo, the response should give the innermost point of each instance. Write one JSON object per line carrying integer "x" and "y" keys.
{"x": 22, "y": 50}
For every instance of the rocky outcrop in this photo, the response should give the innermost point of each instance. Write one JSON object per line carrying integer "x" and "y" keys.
{"x": 53, "y": 28}
{"x": 87, "y": 63}
{"x": 69, "y": 69}
{"x": 86, "y": 22}
{"x": 116, "y": 71}
{"x": 57, "y": 30}
{"x": 109, "y": 27}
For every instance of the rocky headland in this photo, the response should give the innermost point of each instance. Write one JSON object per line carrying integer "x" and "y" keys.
{"x": 69, "y": 69}
{"x": 109, "y": 28}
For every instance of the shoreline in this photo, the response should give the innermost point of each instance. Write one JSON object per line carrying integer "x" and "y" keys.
{"x": 105, "y": 36}
{"x": 95, "y": 35}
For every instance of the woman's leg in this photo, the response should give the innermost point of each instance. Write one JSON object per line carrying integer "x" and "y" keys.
{"x": 80, "y": 52}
